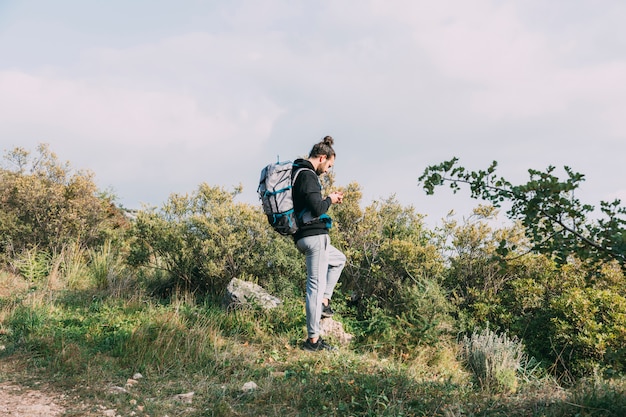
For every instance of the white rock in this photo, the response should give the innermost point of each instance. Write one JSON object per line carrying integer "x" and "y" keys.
{"x": 249, "y": 386}
{"x": 118, "y": 390}
{"x": 137, "y": 376}
{"x": 334, "y": 329}
{"x": 185, "y": 398}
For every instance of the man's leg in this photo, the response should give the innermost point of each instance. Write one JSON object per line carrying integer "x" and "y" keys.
{"x": 315, "y": 248}
{"x": 336, "y": 262}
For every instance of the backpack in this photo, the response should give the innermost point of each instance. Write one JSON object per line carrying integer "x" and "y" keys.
{"x": 275, "y": 192}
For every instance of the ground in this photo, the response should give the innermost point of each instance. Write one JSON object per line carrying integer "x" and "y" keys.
{"x": 23, "y": 394}
{"x": 18, "y": 401}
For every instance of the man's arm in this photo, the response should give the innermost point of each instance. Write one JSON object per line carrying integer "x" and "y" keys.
{"x": 308, "y": 186}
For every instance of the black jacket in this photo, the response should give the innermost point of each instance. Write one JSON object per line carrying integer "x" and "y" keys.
{"x": 307, "y": 196}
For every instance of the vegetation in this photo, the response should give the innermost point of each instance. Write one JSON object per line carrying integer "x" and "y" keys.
{"x": 448, "y": 322}
{"x": 553, "y": 218}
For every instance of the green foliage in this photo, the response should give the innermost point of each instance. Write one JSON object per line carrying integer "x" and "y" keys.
{"x": 205, "y": 239}
{"x": 590, "y": 328}
{"x": 553, "y": 218}
{"x": 32, "y": 264}
{"x": 387, "y": 248}
{"x": 393, "y": 273}
{"x": 571, "y": 322}
{"x": 44, "y": 205}
{"x": 422, "y": 318}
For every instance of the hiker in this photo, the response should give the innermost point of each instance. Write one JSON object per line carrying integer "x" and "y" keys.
{"x": 324, "y": 262}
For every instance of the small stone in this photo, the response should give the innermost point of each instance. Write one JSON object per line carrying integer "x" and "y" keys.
{"x": 185, "y": 398}
{"x": 137, "y": 376}
{"x": 249, "y": 386}
{"x": 117, "y": 390}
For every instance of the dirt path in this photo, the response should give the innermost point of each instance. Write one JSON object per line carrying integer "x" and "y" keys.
{"x": 17, "y": 401}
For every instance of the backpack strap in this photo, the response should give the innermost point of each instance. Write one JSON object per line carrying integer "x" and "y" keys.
{"x": 299, "y": 168}
{"x": 299, "y": 216}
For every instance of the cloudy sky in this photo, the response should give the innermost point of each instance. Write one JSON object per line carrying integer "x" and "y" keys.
{"x": 157, "y": 96}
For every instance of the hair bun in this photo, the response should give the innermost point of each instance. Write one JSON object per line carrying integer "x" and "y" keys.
{"x": 328, "y": 140}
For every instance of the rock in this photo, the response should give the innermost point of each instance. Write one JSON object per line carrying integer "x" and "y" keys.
{"x": 241, "y": 293}
{"x": 117, "y": 390}
{"x": 186, "y": 398}
{"x": 334, "y": 329}
{"x": 137, "y": 376}
{"x": 249, "y": 386}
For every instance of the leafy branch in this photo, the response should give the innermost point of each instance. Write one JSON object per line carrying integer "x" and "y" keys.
{"x": 554, "y": 219}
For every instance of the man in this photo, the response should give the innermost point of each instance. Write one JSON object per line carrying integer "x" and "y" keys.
{"x": 324, "y": 262}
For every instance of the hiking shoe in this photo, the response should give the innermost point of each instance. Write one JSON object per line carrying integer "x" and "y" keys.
{"x": 317, "y": 346}
{"x": 327, "y": 311}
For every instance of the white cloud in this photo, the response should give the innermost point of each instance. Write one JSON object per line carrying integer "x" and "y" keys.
{"x": 146, "y": 144}
{"x": 97, "y": 112}
{"x": 516, "y": 71}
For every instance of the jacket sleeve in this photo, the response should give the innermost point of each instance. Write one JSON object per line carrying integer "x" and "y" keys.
{"x": 309, "y": 187}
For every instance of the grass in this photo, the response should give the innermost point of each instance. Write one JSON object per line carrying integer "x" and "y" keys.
{"x": 84, "y": 341}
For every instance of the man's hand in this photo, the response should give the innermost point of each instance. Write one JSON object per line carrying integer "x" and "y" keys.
{"x": 336, "y": 197}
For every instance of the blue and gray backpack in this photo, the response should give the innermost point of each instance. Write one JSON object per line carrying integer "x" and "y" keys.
{"x": 275, "y": 192}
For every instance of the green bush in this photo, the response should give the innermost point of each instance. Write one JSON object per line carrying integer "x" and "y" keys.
{"x": 45, "y": 205}
{"x": 205, "y": 239}
{"x": 392, "y": 275}
{"x": 590, "y": 329}
{"x": 388, "y": 249}
{"x": 571, "y": 318}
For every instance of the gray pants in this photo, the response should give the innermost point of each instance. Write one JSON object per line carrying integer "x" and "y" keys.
{"x": 324, "y": 264}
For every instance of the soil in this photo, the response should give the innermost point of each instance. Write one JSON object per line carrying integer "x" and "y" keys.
{"x": 18, "y": 401}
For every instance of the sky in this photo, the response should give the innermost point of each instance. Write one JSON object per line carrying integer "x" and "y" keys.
{"x": 156, "y": 97}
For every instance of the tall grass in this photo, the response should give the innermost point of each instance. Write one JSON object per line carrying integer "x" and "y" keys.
{"x": 171, "y": 341}
{"x": 72, "y": 263}
{"x": 597, "y": 397}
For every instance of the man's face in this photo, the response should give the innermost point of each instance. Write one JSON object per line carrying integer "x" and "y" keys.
{"x": 325, "y": 164}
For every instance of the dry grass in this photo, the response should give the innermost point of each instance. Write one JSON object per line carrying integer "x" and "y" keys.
{"x": 12, "y": 285}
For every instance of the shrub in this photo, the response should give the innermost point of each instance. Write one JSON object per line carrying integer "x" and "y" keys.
{"x": 393, "y": 274}
{"x": 205, "y": 239}
{"x": 590, "y": 329}
{"x": 494, "y": 359}
{"x": 44, "y": 204}
{"x": 388, "y": 249}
